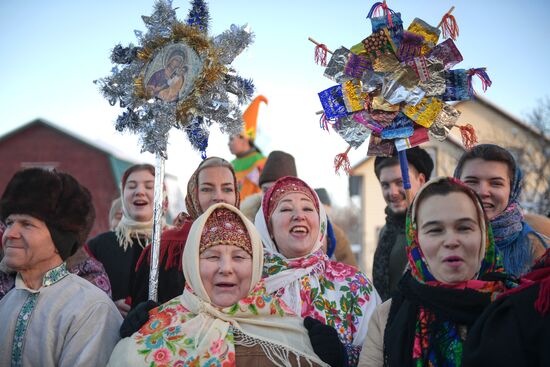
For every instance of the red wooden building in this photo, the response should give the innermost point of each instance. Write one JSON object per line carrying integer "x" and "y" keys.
{"x": 42, "y": 144}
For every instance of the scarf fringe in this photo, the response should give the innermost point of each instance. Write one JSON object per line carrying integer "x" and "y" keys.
{"x": 280, "y": 356}
{"x": 126, "y": 235}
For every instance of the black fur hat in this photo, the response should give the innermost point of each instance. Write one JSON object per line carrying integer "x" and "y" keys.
{"x": 416, "y": 156}
{"x": 55, "y": 198}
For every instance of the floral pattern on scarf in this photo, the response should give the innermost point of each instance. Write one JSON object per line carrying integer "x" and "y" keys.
{"x": 169, "y": 337}
{"x": 190, "y": 330}
{"x": 334, "y": 293}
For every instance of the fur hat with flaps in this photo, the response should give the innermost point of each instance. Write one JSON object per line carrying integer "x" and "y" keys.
{"x": 55, "y": 198}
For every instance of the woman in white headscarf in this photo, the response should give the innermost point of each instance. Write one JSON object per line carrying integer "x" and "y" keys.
{"x": 224, "y": 316}
{"x": 293, "y": 225}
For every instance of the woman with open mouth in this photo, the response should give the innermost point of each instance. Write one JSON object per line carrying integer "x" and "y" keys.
{"x": 493, "y": 173}
{"x": 293, "y": 225}
{"x": 224, "y": 316}
{"x": 120, "y": 249}
{"x": 451, "y": 255}
{"x": 212, "y": 182}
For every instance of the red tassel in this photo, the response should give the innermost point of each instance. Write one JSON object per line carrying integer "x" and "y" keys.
{"x": 324, "y": 122}
{"x": 341, "y": 161}
{"x": 321, "y": 51}
{"x": 449, "y": 26}
{"x": 483, "y": 76}
{"x": 468, "y": 133}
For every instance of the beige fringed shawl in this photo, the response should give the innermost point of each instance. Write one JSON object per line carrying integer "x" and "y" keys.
{"x": 189, "y": 330}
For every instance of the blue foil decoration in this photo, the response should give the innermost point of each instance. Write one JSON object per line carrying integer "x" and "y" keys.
{"x": 401, "y": 127}
{"x": 456, "y": 85}
{"x": 198, "y": 134}
{"x": 396, "y": 31}
{"x": 198, "y": 15}
{"x": 332, "y": 100}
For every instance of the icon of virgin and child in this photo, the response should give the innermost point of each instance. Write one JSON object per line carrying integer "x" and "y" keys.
{"x": 168, "y": 81}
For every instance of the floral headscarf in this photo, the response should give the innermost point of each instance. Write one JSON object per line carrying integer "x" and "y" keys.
{"x": 332, "y": 292}
{"x": 417, "y": 261}
{"x": 189, "y": 330}
{"x": 438, "y": 308}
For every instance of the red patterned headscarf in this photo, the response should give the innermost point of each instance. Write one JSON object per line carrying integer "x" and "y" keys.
{"x": 192, "y": 198}
{"x": 225, "y": 227}
{"x": 282, "y": 187}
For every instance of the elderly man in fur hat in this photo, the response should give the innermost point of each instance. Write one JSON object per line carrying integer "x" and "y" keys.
{"x": 390, "y": 257}
{"x": 51, "y": 317}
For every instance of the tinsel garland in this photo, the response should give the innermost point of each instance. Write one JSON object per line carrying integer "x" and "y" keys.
{"x": 208, "y": 100}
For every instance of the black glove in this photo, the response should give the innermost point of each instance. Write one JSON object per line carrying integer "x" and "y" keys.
{"x": 326, "y": 343}
{"x": 136, "y": 318}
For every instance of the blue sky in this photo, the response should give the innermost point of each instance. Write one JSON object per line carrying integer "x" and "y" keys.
{"x": 53, "y": 50}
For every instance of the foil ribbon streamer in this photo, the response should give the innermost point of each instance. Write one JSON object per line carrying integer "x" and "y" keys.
{"x": 425, "y": 112}
{"x": 430, "y": 34}
{"x": 356, "y": 65}
{"x": 198, "y": 15}
{"x": 335, "y": 69}
{"x": 232, "y": 42}
{"x": 395, "y": 30}
{"x": 351, "y": 131}
{"x": 379, "y": 147}
{"x": 242, "y": 88}
{"x": 332, "y": 100}
{"x": 419, "y": 136}
{"x": 364, "y": 118}
{"x": 160, "y": 23}
{"x": 354, "y": 99}
{"x": 447, "y": 53}
{"x": 444, "y": 122}
{"x": 456, "y": 85}
{"x": 197, "y": 133}
{"x": 400, "y": 127}
{"x": 124, "y": 55}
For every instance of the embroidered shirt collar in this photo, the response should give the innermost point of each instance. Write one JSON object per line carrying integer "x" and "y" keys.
{"x": 51, "y": 277}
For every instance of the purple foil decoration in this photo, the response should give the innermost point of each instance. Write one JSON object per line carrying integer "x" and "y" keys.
{"x": 363, "y": 118}
{"x": 356, "y": 65}
{"x": 447, "y": 53}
